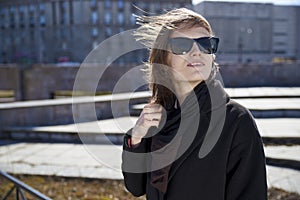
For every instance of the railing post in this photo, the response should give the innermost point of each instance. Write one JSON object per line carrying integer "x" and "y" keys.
{"x": 19, "y": 185}
{"x": 9, "y": 192}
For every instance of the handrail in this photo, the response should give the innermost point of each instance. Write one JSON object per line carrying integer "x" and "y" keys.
{"x": 20, "y": 186}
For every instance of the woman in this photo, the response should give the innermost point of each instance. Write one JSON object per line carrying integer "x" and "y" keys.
{"x": 191, "y": 141}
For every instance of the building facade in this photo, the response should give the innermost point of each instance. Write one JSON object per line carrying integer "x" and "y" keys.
{"x": 286, "y": 31}
{"x": 49, "y": 31}
{"x": 254, "y": 32}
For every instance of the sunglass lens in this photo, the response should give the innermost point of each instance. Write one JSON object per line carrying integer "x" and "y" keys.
{"x": 180, "y": 46}
{"x": 214, "y": 44}
{"x": 208, "y": 45}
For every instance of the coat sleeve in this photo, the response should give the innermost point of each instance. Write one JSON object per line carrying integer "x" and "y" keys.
{"x": 246, "y": 171}
{"x": 135, "y": 182}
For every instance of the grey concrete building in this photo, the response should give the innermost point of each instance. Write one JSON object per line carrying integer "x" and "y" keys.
{"x": 48, "y": 31}
{"x": 286, "y": 31}
{"x": 254, "y": 32}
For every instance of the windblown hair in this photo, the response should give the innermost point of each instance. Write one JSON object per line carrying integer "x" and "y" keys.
{"x": 154, "y": 32}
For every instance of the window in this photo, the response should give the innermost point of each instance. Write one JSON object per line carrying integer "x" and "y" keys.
{"x": 94, "y": 17}
{"x": 107, "y": 18}
{"x": 31, "y": 8}
{"x": 121, "y": 18}
{"x": 2, "y": 19}
{"x": 22, "y": 9}
{"x": 120, "y": 4}
{"x": 94, "y": 32}
{"x": 12, "y": 9}
{"x": 280, "y": 52}
{"x": 279, "y": 34}
{"x": 95, "y": 44}
{"x": 42, "y": 20}
{"x": 132, "y": 19}
{"x": 31, "y": 16}
{"x": 107, "y": 4}
{"x": 31, "y": 20}
{"x": 12, "y": 16}
{"x": 108, "y": 32}
{"x": 42, "y": 7}
{"x": 63, "y": 12}
{"x": 93, "y": 4}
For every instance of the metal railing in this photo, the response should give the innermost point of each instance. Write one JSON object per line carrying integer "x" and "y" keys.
{"x": 19, "y": 186}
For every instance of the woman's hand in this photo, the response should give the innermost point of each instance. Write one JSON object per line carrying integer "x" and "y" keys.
{"x": 150, "y": 116}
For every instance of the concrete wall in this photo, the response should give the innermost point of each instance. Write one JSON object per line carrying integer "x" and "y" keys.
{"x": 40, "y": 81}
{"x": 10, "y": 79}
{"x": 256, "y": 75}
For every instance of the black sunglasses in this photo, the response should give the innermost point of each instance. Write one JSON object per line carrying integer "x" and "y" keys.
{"x": 182, "y": 45}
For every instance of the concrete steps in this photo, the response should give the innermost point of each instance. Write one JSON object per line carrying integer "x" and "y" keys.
{"x": 283, "y": 156}
{"x": 276, "y": 111}
{"x": 97, "y": 132}
{"x": 273, "y": 131}
{"x": 259, "y": 107}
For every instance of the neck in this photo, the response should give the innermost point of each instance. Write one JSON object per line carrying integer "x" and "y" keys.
{"x": 182, "y": 89}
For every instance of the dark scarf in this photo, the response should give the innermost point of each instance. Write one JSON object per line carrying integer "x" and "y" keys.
{"x": 168, "y": 143}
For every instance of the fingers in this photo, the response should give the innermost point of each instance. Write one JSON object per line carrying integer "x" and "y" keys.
{"x": 152, "y": 108}
{"x": 152, "y": 113}
{"x": 150, "y": 116}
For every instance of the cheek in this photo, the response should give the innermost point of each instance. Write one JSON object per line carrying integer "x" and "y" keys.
{"x": 176, "y": 62}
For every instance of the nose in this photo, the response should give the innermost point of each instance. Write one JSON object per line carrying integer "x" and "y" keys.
{"x": 195, "y": 51}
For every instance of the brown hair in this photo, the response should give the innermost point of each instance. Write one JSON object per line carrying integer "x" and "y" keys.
{"x": 154, "y": 33}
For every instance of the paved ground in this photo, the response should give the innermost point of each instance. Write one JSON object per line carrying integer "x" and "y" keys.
{"x": 103, "y": 161}
{"x": 70, "y": 160}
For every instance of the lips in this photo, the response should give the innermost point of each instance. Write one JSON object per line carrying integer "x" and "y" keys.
{"x": 195, "y": 64}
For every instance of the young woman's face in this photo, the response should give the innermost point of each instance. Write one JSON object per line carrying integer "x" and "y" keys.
{"x": 193, "y": 66}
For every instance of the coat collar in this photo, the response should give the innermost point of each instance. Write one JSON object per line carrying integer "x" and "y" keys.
{"x": 212, "y": 98}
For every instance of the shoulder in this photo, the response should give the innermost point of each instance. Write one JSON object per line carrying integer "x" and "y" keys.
{"x": 236, "y": 109}
{"x": 246, "y": 129}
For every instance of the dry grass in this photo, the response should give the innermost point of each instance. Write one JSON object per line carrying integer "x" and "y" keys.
{"x": 61, "y": 188}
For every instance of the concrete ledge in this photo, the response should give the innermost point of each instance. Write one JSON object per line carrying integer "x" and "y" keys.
{"x": 97, "y": 132}
{"x": 283, "y": 156}
{"x": 264, "y": 92}
{"x": 259, "y": 107}
{"x": 284, "y": 131}
{"x": 63, "y": 111}
{"x": 287, "y": 179}
{"x": 75, "y": 100}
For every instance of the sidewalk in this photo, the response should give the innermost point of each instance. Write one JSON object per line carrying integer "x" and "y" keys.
{"x": 69, "y": 160}
{"x": 104, "y": 162}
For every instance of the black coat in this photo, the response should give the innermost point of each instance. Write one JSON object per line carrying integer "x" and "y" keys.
{"x": 233, "y": 170}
